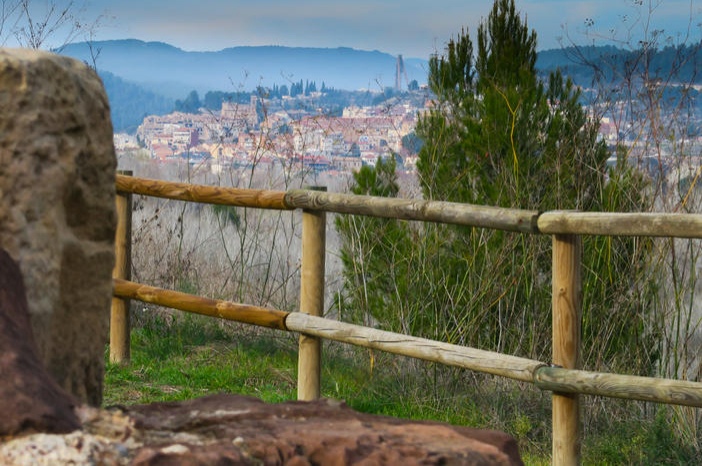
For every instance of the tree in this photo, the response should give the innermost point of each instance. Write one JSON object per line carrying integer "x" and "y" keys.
{"x": 372, "y": 251}
{"x": 498, "y": 132}
{"x": 411, "y": 142}
{"x": 296, "y": 89}
{"x": 191, "y": 104}
{"x": 500, "y": 136}
{"x": 355, "y": 150}
{"x": 497, "y": 135}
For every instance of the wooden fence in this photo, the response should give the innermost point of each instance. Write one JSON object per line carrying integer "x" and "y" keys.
{"x": 562, "y": 376}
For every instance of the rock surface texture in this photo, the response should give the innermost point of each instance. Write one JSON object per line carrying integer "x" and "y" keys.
{"x": 57, "y": 218}
{"x": 30, "y": 400}
{"x": 245, "y": 430}
{"x": 238, "y": 430}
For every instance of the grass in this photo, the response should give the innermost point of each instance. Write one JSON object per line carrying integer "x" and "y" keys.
{"x": 192, "y": 356}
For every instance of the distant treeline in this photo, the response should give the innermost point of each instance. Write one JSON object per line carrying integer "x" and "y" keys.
{"x": 130, "y": 102}
{"x": 302, "y": 97}
{"x": 591, "y": 65}
{"x": 213, "y": 99}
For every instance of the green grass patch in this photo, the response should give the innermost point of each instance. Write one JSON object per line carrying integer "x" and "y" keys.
{"x": 192, "y": 356}
{"x": 652, "y": 442}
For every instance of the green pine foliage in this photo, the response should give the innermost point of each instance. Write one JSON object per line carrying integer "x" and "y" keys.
{"x": 370, "y": 245}
{"x": 498, "y": 135}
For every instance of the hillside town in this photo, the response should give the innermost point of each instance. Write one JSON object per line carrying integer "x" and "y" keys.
{"x": 303, "y": 136}
{"x": 305, "y": 139}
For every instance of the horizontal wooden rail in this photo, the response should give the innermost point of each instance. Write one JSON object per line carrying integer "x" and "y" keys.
{"x": 258, "y": 198}
{"x": 407, "y": 209}
{"x": 245, "y": 313}
{"x": 621, "y": 224}
{"x": 453, "y": 355}
{"x": 428, "y": 350}
{"x": 545, "y": 377}
{"x": 679, "y": 392}
{"x": 528, "y": 221}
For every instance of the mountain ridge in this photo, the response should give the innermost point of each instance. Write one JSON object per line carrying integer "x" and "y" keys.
{"x": 148, "y": 77}
{"x": 241, "y": 68}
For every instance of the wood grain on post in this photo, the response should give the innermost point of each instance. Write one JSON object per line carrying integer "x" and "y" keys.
{"x": 244, "y": 313}
{"x": 314, "y": 224}
{"x": 566, "y": 346}
{"x": 258, "y": 198}
{"x": 120, "y": 351}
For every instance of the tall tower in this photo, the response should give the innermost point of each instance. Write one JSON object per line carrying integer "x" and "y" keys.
{"x": 400, "y": 72}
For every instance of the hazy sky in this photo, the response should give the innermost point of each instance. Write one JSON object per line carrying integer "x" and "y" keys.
{"x": 414, "y": 28}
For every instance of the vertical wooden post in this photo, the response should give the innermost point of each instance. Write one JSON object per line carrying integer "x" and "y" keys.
{"x": 119, "y": 315}
{"x": 567, "y": 313}
{"x": 311, "y": 300}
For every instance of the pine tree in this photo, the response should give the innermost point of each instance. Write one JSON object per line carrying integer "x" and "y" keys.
{"x": 372, "y": 251}
{"x": 500, "y": 136}
{"x": 191, "y": 104}
{"x": 497, "y": 135}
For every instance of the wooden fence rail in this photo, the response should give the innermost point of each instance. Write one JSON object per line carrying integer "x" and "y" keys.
{"x": 620, "y": 224}
{"x": 258, "y": 198}
{"x": 564, "y": 377}
{"x": 544, "y": 376}
{"x": 496, "y": 218}
{"x": 197, "y": 304}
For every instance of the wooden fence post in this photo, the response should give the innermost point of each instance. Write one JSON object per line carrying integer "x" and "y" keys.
{"x": 119, "y": 315}
{"x": 567, "y": 313}
{"x": 314, "y": 225}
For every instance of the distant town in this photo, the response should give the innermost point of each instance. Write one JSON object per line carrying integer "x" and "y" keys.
{"x": 301, "y": 137}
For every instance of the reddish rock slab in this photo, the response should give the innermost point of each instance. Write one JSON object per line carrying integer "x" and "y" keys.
{"x": 231, "y": 429}
{"x": 30, "y": 400}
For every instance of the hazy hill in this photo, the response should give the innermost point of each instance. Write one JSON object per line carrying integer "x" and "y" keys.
{"x": 147, "y": 77}
{"x": 174, "y": 72}
{"x": 607, "y": 64}
{"x": 130, "y": 102}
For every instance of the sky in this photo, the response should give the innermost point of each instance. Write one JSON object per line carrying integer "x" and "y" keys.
{"x": 413, "y": 28}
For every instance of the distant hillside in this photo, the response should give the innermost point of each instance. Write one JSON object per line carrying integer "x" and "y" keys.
{"x": 130, "y": 103}
{"x": 608, "y": 64}
{"x": 147, "y": 77}
{"x": 173, "y": 72}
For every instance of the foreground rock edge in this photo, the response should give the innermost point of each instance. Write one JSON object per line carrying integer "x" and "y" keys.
{"x": 30, "y": 399}
{"x": 234, "y": 429}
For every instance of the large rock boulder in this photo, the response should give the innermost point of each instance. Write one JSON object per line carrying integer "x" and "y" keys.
{"x": 244, "y": 430}
{"x": 57, "y": 219}
{"x": 238, "y": 430}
